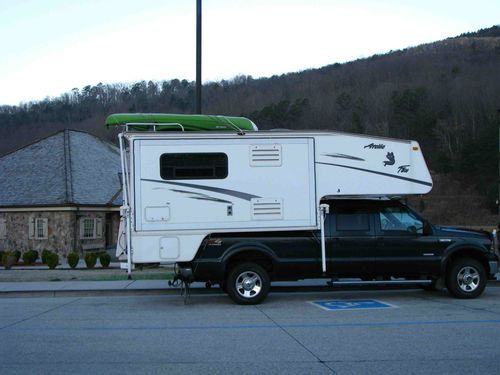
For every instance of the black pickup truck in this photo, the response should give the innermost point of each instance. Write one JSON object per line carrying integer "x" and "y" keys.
{"x": 373, "y": 241}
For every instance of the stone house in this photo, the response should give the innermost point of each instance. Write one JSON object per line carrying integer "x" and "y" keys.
{"x": 61, "y": 193}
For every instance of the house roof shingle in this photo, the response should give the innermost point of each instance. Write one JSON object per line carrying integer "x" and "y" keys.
{"x": 68, "y": 168}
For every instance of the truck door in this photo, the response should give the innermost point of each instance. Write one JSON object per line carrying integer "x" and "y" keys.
{"x": 403, "y": 246}
{"x": 352, "y": 245}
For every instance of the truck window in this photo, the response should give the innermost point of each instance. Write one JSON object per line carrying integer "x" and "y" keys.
{"x": 397, "y": 219}
{"x": 354, "y": 221}
{"x": 195, "y": 166}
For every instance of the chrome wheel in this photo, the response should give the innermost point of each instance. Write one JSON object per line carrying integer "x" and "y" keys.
{"x": 468, "y": 279}
{"x": 248, "y": 284}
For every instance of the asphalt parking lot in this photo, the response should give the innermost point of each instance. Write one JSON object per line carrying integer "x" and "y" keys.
{"x": 422, "y": 333}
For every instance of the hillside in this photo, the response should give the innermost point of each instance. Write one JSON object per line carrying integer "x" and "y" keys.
{"x": 443, "y": 94}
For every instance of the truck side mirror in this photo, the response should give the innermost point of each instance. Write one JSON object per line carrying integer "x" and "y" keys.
{"x": 427, "y": 231}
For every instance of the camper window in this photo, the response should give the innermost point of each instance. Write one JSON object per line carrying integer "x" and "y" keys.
{"x": 198, "y": 166}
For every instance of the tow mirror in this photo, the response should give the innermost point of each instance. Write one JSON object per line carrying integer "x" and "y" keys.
{"x": 427, "y": 229}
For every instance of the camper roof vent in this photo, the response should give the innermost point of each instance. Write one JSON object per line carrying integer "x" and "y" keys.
{"x": 267, "y": 208}
{"x": 265, "y": 155}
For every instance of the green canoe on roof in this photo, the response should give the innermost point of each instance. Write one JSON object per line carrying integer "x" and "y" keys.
{"x": 174, "y": 122}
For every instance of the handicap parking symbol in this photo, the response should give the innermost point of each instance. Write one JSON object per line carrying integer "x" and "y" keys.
{"x": 344, "y": 305}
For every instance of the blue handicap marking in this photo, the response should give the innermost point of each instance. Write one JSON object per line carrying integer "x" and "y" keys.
{"x": 352, "y": 305}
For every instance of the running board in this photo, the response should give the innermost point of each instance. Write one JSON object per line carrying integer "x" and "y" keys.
{"x": 380, "y": 282}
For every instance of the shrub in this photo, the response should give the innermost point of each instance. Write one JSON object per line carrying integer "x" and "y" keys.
{"x": 105, "y": 259}
{"x": 73, "y": 259}
{"x": 17, "y": 254}
{"x": 1, "y": 256}
{"x": 30, "y": 256}
{"x": 52, "y": 260}
{"x": 90, "y": 260}
{"x": 44, "y": 255}
{"x": 8, "y": 259}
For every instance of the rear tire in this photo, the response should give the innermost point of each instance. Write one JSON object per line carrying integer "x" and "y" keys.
{"x": 466, "y": 278}
{"x": 248, "y": 283}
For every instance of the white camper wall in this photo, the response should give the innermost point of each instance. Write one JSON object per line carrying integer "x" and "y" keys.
{"x": 268, "y": 192}
{"x": 348, "y": 165}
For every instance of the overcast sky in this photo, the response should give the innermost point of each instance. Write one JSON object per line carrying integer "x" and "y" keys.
{"x": 48, "y": 47}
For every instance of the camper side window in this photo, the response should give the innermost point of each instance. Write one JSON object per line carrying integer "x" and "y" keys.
{"x": 194, "y": 166}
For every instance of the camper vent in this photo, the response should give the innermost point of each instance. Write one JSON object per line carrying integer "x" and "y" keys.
{"x": 265, "y": 155}
{"x": 267, "y": 209}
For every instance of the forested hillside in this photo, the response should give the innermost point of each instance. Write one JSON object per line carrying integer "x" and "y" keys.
{"x": 444, "y": 94}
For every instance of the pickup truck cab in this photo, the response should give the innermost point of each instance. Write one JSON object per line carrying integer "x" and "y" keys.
{"x": 375, "y": 241}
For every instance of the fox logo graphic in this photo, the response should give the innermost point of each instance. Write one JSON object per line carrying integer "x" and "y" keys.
{"x": 390, "y": 159}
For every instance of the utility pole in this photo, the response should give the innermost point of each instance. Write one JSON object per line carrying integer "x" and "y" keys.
{"x": 198, "y": 57}
{"x": 498, "y": 161}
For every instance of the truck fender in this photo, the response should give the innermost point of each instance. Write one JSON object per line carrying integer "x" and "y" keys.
{"x": 474, "y": 251}
{"x": 248, "y": 246}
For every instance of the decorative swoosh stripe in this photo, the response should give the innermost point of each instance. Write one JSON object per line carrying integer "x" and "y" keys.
{"x": 201, "y": 196}
{"x": 211, "y": 199}
{"x": 233, "y": 193}
{"x": 344, "y": 156}
{"x": 380, "y": 173}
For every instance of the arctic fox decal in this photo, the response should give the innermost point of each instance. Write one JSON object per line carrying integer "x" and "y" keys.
{"x": 390, "y": 159}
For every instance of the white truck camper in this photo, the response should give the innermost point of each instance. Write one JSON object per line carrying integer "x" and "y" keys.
{"x": 180, "y": 186}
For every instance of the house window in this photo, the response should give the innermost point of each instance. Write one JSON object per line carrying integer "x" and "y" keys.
{"x": 90, "y": 228}
{"x": 38, "y": 228}
{"x": 3, "y": 229}
{"x": 193, "y": 166}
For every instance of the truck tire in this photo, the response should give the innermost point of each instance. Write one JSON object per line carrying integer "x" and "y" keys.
{"x": 466, "y": 278}
{"x": 248, "y": 283}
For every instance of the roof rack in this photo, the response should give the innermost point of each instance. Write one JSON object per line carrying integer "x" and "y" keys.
{"x": 153, "y": 125}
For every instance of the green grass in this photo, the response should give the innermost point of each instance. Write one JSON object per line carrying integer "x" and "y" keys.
{"x": 82, "y": 275}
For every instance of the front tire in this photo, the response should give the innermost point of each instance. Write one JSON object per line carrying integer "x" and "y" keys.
{"x": 248, "y": 284}
{"x": 466, "y": 278}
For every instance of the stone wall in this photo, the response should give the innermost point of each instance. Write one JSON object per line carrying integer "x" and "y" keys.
{"x": 60, "y": 231}
{"x": 95, "y": 243}
{"x": 114, "y": 220}
{"x": 63, "y": 235}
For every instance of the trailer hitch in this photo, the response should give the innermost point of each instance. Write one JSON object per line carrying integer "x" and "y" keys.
{"x": 183, "y": 277}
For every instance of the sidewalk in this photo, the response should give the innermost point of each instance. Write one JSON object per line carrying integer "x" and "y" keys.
{"x": 124, "y": 287}
{"x": 38, "y": 280}
{"x": 51, "y": 287}
{"x": 159, "y": 287}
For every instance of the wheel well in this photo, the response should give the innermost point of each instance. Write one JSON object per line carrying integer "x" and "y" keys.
{"x": 262, "y": 259}
{"x": 468, "y": 253}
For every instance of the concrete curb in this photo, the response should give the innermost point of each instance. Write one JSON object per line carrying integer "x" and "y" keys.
{"x": 197, "y": 290}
